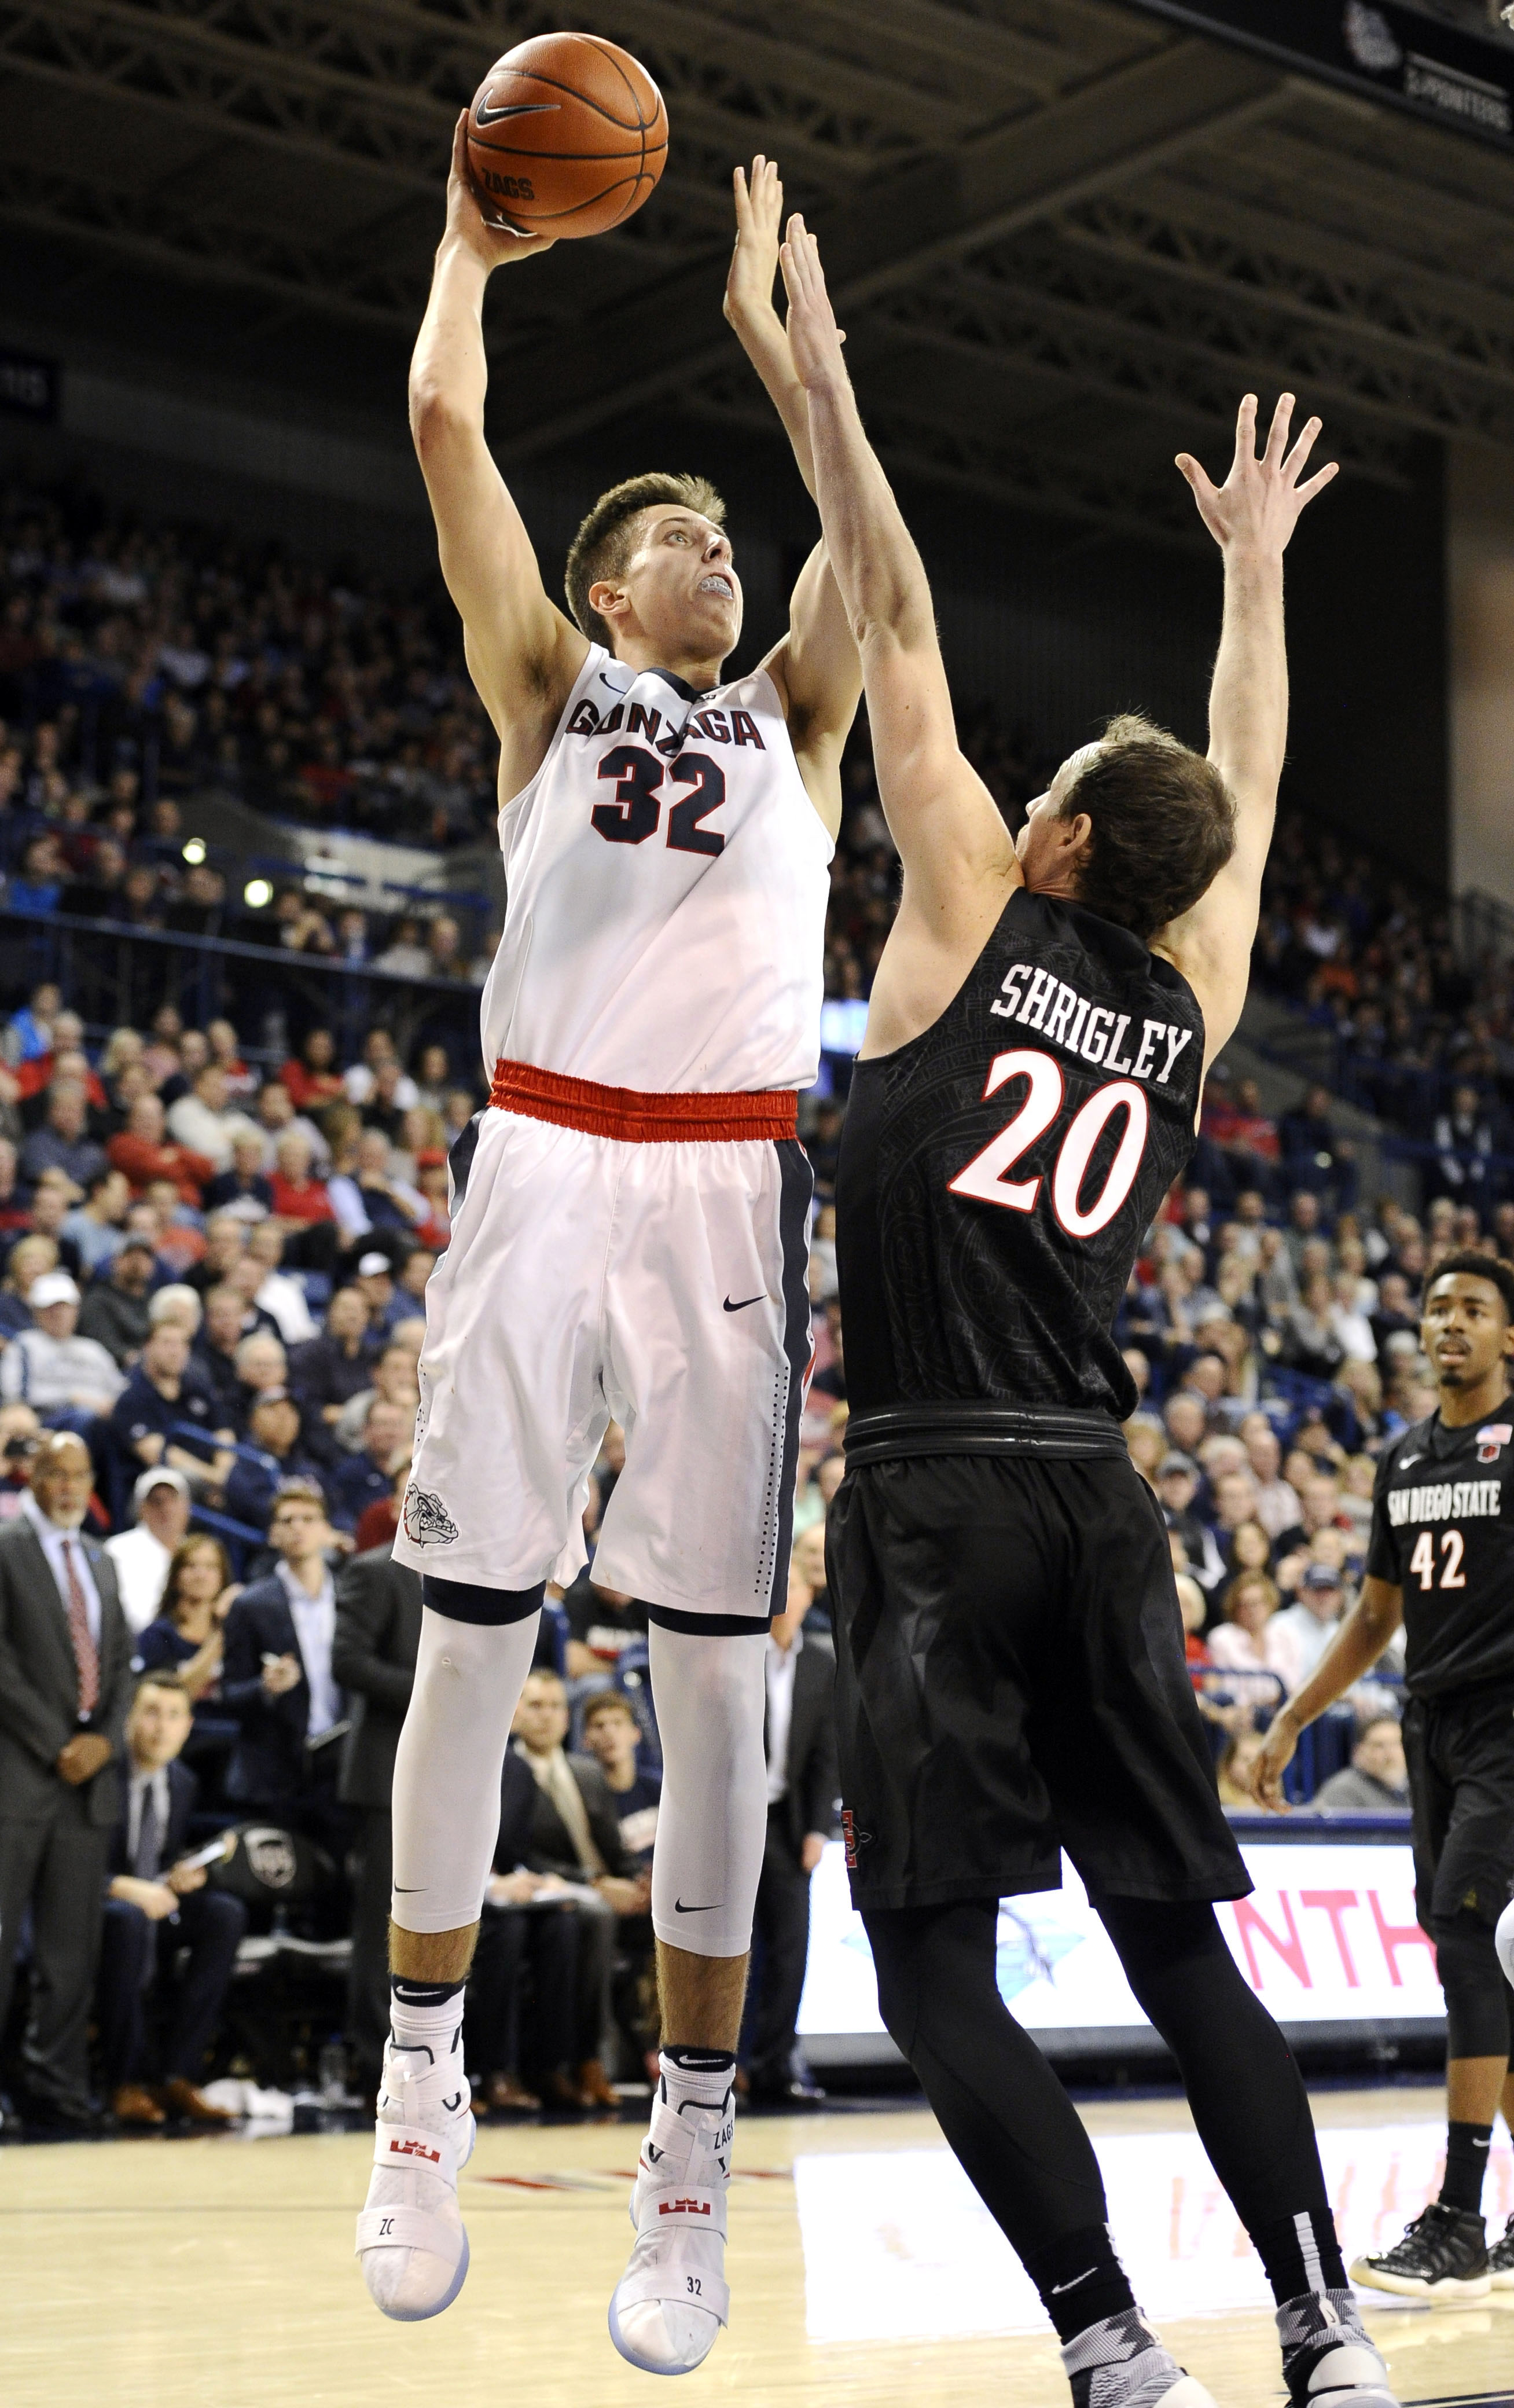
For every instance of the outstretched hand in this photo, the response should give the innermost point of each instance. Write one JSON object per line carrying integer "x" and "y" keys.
{"x": 814, "y": 339}
{"x": 493, "y": 244}
{"x": 1258, "y": 504}
{"x": 758, "y": 214}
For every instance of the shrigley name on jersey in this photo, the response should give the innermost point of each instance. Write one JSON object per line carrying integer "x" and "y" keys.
{"x": 998, "y": 1174}
{"x": 1443, "y": 1532}
{"x": 668, "y": 878}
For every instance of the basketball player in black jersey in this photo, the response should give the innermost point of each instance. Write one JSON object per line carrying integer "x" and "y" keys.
{"x": 1441, "y": 1563}
{"x": 1011, "y": 1673}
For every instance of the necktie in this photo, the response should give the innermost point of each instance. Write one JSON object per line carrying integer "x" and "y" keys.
{"x": 86, "y": 1654}
{"x": 148, "y": 1836}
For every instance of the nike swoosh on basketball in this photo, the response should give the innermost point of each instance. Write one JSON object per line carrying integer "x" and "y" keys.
{"x": 484, "y": 115}
{"x": 678, "y": 1907}
{"x": 744, "y": 1302}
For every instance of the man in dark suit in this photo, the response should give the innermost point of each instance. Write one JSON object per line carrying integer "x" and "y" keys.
{"x": 373, "y": 1661}
{"x": 576, "y": 1834}
{"x": 66, "y": 1679}
{"x": 157, "y": 1904}
{"x": 803, "y": 1780}
{"x": 278, "y": 1679}
{"x": 527, "y": 1917}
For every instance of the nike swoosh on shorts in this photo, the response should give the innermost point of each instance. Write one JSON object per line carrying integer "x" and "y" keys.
{"x": 678, "y": 1907}
{"x": 744, "y": 1302}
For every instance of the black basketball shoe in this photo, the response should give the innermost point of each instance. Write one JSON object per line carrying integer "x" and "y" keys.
{"x": 1501, "y": 2259}
{"x": 1443, "y": 2255}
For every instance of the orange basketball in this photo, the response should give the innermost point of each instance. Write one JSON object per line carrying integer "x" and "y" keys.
{"x": 566, "y": 136}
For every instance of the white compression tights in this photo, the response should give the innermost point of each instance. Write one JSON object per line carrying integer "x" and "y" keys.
{"x": 712, "y": 1825}
{"x": 468, "y": 1679}
{"x": 710, "y": 1696}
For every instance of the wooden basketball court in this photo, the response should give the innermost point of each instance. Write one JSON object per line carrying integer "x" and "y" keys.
{"x": 172, "y": 2274}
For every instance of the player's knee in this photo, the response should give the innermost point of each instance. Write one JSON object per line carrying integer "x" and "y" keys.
{"x": 1477, "y": 1995}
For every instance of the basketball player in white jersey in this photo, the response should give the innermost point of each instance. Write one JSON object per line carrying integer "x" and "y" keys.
{"x": 628, "y": 1240}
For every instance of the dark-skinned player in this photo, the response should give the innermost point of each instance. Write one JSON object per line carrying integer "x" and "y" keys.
{"x": 1441, "y": 1563}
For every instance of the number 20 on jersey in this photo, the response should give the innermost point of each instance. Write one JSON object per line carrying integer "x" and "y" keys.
{"x": 984, "y": 1178}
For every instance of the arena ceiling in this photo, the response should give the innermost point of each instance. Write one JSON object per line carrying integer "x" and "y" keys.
{"x": 1064, "y": 234}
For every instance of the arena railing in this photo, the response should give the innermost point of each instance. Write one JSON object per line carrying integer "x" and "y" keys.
{"x": 114, "y": 975}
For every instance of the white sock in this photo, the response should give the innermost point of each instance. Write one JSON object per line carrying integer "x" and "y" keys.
{"x": 697, "y": 2085}
{"x": 432, "y": 2024}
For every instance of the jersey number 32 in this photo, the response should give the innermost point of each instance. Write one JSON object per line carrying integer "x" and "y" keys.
{"x": 984, "y": 1176}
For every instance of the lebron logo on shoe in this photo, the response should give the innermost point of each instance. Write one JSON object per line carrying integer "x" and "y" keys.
{"x": 427, "y": 1521}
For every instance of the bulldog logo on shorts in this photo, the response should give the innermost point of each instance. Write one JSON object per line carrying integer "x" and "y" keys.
{"x": 427, "y": 1521}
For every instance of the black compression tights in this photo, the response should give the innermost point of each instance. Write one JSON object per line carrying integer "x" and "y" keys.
{"x": 1007, "y": 2115}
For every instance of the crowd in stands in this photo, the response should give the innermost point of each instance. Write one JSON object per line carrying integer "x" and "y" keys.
{"x": 152, "y": 664}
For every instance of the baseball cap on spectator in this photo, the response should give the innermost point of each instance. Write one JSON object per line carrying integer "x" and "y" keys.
{"x": 54, "y": 1287}
{"x": 371, "y": 1266}
{"x": 1320, "y": 1576}
{"x": 1176, "y": 1462}
{"x": 162, "y": 1475}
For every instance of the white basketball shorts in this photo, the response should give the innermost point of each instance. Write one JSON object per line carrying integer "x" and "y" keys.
{"x": 635, "y": 1257}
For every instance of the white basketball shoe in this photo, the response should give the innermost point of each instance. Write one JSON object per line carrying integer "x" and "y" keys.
{"x": 410, "y": 2240}
{"x": 671, "y": 2301}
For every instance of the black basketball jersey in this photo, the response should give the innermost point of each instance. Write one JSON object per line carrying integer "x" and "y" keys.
{"x": 998, "y": 1174}
{"x": 1443, "y": 1532}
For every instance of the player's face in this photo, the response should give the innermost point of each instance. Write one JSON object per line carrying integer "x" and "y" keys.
{"x": 684, "y": 592}
{"x": 1042, "y": 842}
{"x": 1465, "y": 1329}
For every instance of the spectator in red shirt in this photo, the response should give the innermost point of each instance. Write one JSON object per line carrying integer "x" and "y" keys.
{"x": 314, "y": 1079}
{"x": 143, "y": 1150}
{"x": 297, "y": 1197}
{"x": 431, "y": 1179}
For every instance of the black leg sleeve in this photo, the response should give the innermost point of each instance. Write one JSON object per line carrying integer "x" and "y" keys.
{"x": 1008, "y": 2120}
{"x": 1246, "y": 2092}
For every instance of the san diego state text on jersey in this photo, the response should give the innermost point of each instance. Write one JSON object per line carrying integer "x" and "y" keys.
{"x": 1443, "y": 1533}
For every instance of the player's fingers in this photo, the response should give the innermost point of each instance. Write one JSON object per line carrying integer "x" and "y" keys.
{"x": 460, "y": 145}
{"x": 1308, "y": 434}
{"x": 1282, "y": 418}
{"x": 1197, "y": 477}
{"x": 1316, "y": 483}
{"x": 1245, "y": 428}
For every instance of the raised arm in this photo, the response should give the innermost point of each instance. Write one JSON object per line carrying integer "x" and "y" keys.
{"x": 958, "y": 860}
{"x": 1252, "y": 517}
{"x": 523, "y": 653}
{"x": 815, "y": 668}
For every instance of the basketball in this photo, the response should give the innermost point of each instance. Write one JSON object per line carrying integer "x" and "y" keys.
{"x": 568, "y": 134}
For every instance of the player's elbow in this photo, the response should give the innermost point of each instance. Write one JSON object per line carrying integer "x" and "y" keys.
{"x": 437, "y": 422}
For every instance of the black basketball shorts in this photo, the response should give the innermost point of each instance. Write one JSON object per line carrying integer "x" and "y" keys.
{"x": 1011, "y": 1682}
{"x": 1461, "y": 1766}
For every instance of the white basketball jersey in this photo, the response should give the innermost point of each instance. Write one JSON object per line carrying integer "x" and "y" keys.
{"x": 667, "y": 877}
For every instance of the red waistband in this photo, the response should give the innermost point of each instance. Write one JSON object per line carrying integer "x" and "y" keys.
{"x": 642, "y": 1119}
